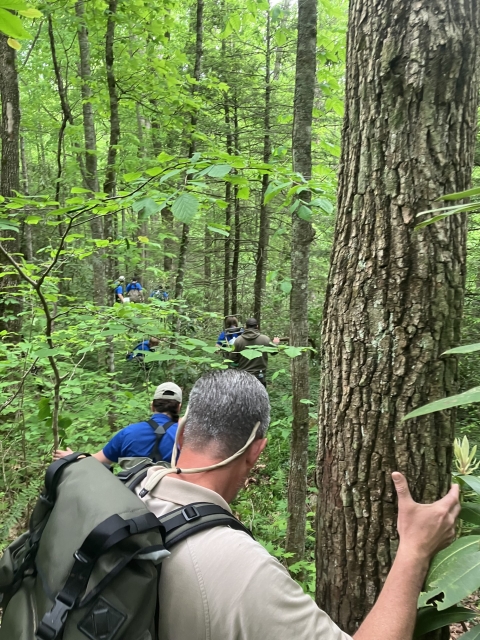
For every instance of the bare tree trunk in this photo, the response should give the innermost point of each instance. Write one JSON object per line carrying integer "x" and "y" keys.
{"x": 91, "y": 173}
{"x": 395, "y": 295}
{"x": 27, "y": 229}
{"x": 228, "y": 216}
{"x": 182, "y": 255}
{"x": 264, "y": 224}
{"x": 10, "y": 304}
{"x": 207, "y": 262}
{"x": 236, "y": 240}
{"x": 302, "y": 236}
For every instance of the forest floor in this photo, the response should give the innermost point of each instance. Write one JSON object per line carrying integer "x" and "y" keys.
{"x": 456, "y": 630}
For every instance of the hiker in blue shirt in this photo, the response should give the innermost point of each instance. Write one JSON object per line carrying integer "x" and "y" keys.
{"x": 119, "y": 289}
{"x": 145, "y": 345}
{"x": 159, "y": 293}
{"x": 134, "y": 285}
{"x": 154, "y": 438}
{"x": 230, "y": 333}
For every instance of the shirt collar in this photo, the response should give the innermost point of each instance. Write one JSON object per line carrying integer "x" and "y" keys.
{"x": 182, "y": 492}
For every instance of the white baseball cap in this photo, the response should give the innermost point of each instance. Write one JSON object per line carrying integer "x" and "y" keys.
{"x": 121, "y": 278}
{"x": 168, "y": 391}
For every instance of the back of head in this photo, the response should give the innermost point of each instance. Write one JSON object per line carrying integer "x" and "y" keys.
{"x": 251, "y": 323}
{"x": 231, "y": 321}
{"x": 154, "y": 342}
{"x": 223, "y": 409}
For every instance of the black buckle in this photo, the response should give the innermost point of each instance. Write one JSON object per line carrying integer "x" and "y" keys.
{"x": 78, "y": 555}
{"x": 194, "y": 515}
{"x": 53, "y": 622}
{"x": 45, "y": 500}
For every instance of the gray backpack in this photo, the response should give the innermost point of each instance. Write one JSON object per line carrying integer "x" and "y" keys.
{"x": 88, "y": 568}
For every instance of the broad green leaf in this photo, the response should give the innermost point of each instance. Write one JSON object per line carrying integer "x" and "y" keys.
{"x": 251, "y": 354}
{"x": 219, "y": 170}
{"x": 286, "y": 286}
{"x": 32, "y": 219}
{"x": 467, "y": 397}
{"x": 196, "y": 342}
{"x": 430, "y": 619}
{"x": 471, "y": 513}
{"x": 445, "y": 558}
{"x": 473, "y": 634}
{"x": 280, "y": 37}
{"x": 185, "y": 207}
{"x": 12, "y": 25}
{"x": 235, "y": 22}
{"x": 31, "y": 13}
{"x": 47, "y": 353}
{"x": 304, "y": 213}
{"x": 164, "y": 157}
{"x": 459, "y": 579}
{"x": 14, "y": 5}
{"x": 273, "y": 189}
{"x": 15, "y": 44}
{"x": 154, "y": 171}
{"x": 170, "y": 174}
{"x": 8, "y": 226}
{"x": 461, "y": 194}
{"x": 143, "y": 239}
{"x": 218, "y": 230}
{"x": 293, "y": 352}
{"x": 323, "y": 203}
{"x": 79, "y": 190}
{"x": 471, "y": 481}
{"x": 467, "y": 348}
{"x": 130, "y": 177}
{"x": 146, "y": 206}
{"x": 156, "y": 356}
{"x": 243, "y": 193}
{"x": 277, "y": 373}
{"x": 101, "y": 242}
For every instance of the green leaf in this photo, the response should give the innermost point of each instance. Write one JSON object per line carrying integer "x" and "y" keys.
{"x": 471, "y": 513}
{"x": 12, "y": 25}
{"x": 218, "y": 230}
{"x": 147, "y": 207}
{"x": 170, "y": 174}
{"x": 185, "y": 207}
{"x": 32, "y": 219}
{"x": 429, "y": 619}
{"x": 80, "y": 190}
{"x": 251, "y": 354}
{"x": 473, "y": 634}
{"x": 8, "y": 226}
{"x": 286, "y": 286}
{"x": 14, "y": 5}
{"x": 304, "y": 213}
{"x": 459, "y": 579}
{"x": 243, "y": 193}
{"x": 143, "y": 239}
{"x": 323, "y": 203}
{"x": 471, "y": 481}
{"x": 293, "y": 352}
{"x": 273, "y": 189}
{"x": 465, "y": 546}
{"x": 31, "y": 13}
{"x": 219, "y": 170}
{"x": 196, "y": 342}
{"x": 44, "y": 410}
{"x": 461, "y": 194}
{"x": 467, "y": 397}
{"x": 235, "y": 22}
{"x": 467, "y": 348}
{"x": 280, "y": 37}
{"x": 277, "y": 373}
{"x": 130, "y": 177}
{"x": 47, "y": 353}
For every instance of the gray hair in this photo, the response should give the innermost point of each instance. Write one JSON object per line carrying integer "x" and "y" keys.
{"x": 223, "y": 409}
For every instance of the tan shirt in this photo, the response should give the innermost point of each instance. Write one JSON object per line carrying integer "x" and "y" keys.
{"x": 222, "y": 585}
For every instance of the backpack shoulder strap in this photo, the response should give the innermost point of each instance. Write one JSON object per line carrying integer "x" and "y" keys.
{"x": 198, "y": 516}
{"x": 159, "y": 430}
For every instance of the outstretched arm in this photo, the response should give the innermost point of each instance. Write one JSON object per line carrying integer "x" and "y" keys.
{"x": 424, "y": 529}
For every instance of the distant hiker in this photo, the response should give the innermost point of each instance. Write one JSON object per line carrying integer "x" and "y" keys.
{"x": 119, "y": 290}
{"x": 145, "y": 345}
{"x": 153, "y": 438}
{"x": 160, "y": 293}
{"x": 230, "y": 333}
{"x": 252, "y": 337}
{"x": 135, "y": 290}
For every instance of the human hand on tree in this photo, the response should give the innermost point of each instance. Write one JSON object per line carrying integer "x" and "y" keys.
{"x": 425, "y": 529}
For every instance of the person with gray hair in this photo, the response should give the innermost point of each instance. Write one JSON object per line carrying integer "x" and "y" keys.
{"x": 228, "y": 586}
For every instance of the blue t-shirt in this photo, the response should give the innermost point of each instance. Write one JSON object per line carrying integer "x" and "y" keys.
{"x": 138, "y": 439}
{"x": 143, "y": 346}
{"x": 118, "y": 291}
{"x": 222, "y": 339}
{"x": 134, "y": 285}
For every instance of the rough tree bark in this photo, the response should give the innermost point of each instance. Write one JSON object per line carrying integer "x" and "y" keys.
{"x": 182, "y": 255}
{"x": 9, "y": 179}
{"x": 395, "y": 295}
{"x": 236, "y": 239}
{"x": 91, "y": 173}
{"x": 264, "y": 222}
{"x": 228, "y": 214}
{"x": 302, "y": 236}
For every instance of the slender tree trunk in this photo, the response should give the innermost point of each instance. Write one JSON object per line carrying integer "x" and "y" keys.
{"x": 9, "y": 180}
{"x": 302, "y": 236}
{"x": 91, "y": 173}
{"x": 207, "y": 262}
{"x": 182, "y": 255}
{"x": 264, "y": 223}
{"x": 228, "y": 216}
{"x": 237, "y": 228}
{"x": 27, "y": 229}
{"x": 395, "y": 295}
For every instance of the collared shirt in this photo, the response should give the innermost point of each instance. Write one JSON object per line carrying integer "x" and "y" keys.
{"x": 137, "y": 440}
{"x": 222, "y": 585}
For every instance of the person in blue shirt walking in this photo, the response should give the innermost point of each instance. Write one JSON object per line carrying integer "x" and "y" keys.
{"x": 230, "y": 333}
{"x": 119, "y": 289}
{"x": 134, "y": 290}
{"x": 153, "y": 438}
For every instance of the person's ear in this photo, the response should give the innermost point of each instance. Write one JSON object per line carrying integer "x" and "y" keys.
{"x": 254, "y": 451}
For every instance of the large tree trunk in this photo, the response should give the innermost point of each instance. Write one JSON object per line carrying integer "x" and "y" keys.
{"x": 91, "y": 173}
{"x": 302, "y": 236}
{"x": 9, "y": 179}
{"x": 197, "y": 70}
{"x": 395, "y": 295}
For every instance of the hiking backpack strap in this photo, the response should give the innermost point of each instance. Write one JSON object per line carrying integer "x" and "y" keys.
{"x": 105, "y": 535}
{"x": 195, "y": 517}
{"x": 160, "y": 430}
{"x": 132, "y": 477}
